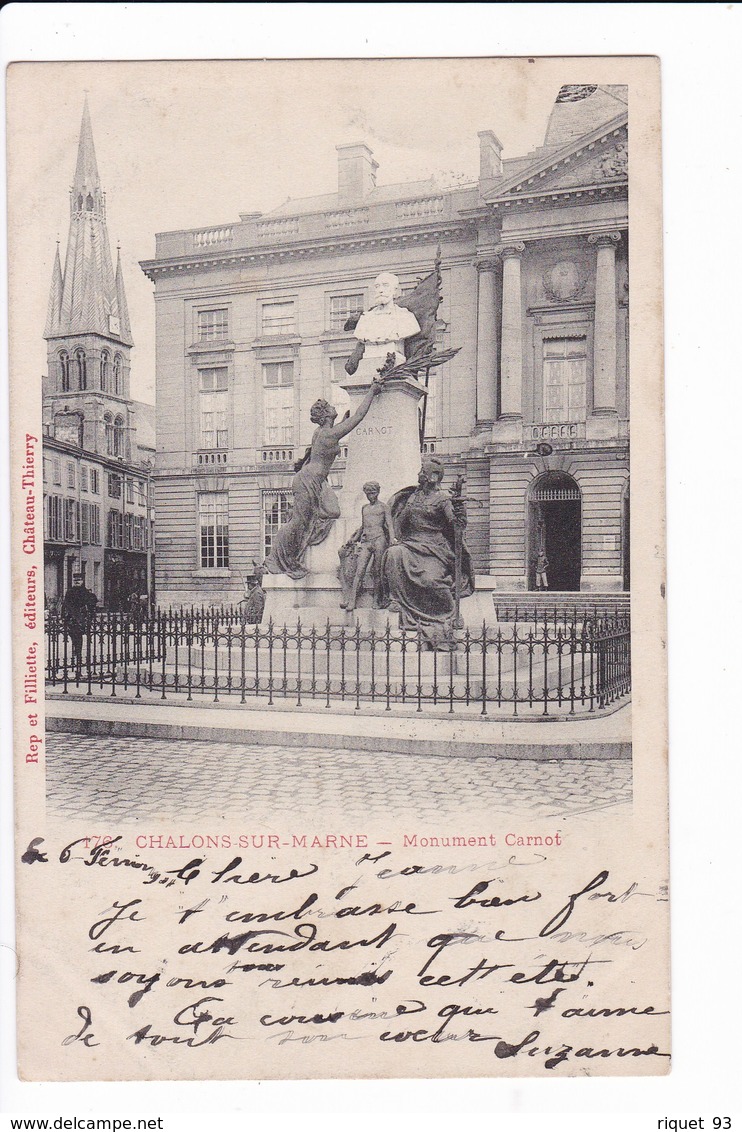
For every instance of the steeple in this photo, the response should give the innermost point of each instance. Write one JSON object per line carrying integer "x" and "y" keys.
{"x": 55, "y": 298}
{"x": 87, "y": 298}
{"x": 125, "y": 325}
{"x": 86, "y": 172}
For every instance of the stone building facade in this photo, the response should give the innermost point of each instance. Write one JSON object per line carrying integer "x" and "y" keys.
{"x": 249, "y": 326}
{"x": 98, "y": 443}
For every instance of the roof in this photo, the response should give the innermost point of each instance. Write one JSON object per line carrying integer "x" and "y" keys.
{"x": 144, "y": 422}
{"x": 578, "y": 109}
{"x": 328, "y": 202}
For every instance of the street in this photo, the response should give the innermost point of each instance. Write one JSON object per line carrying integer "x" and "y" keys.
{"x": 119, "y": 779}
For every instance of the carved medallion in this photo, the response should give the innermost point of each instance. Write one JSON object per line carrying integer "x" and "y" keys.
{"x": 564, "y": 281}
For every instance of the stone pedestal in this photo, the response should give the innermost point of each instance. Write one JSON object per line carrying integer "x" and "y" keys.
{"x": 480, "y": 607}
{"x": 384, "y": 447}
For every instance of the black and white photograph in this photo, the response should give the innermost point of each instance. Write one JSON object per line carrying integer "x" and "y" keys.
{"x": 323, "y": 541}
{"x": 366, "y": 452}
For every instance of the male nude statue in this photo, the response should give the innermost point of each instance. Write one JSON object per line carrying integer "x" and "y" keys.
{"x": 368, "y": 544}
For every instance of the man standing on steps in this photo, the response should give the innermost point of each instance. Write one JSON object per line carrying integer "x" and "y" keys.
{"x": 542, "y": 565}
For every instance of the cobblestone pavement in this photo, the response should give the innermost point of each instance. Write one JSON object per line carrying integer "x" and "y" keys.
{"x": 124, "y": 779}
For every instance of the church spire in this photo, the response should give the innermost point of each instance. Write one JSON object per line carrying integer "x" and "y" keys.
{"x": 86, "y": 172}
{"x": 123, "y": 307}
{"x": 55, "y": 298}
{"x": 86, "y": 195}
{"x": 87, "y": 297}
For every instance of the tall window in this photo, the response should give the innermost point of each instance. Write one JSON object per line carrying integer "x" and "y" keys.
{"x": 118, "y": 436}
{"x": 70, "y": 520}
{"x": 213, "y": 522}
{"x": 64, "y": 371}
{"x": 84, "y": 477}
{"x": 114, "y": 486}
{"x": 95, "y": 481}
{"x": 81, "y": 364}
{"x": 94, "y": 516}
{"x": 276, "y": 510}
{"x": 213, "y": 326}
{"x": 565, "y": 380}
{"x": 57, "y": 471}
{"x": 278, "y": 402}
{"x": 54, "y": 523}
{"x": 339, "y": 397}
{"x": 342, "y": 307}
{"x": 105, "y": 371}
{"x": 278, "y": 318}
{"x": 115, "y": 532}
{"x": 85, "y": 522}
{"x": 139, "y": 533}
{"x": 118, "y": 376}
{"x": 108, "y": 422}
{"x": 71, "y": 478}
{"x": 214, "y": 407}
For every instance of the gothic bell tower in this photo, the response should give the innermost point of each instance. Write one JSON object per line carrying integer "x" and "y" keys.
{"x": 86, "y": 393}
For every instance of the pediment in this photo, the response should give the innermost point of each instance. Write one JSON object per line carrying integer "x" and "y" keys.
{"x": 605, "y": 163}
{"x": 599, "y": 158}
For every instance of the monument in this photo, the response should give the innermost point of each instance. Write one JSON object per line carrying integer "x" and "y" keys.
{"x": 309, "y": 575}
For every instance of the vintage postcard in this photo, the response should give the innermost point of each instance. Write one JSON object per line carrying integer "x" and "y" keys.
{"x": 338, "y": 552}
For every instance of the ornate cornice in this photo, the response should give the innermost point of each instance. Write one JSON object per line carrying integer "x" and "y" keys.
{"x": 154, "y": 268}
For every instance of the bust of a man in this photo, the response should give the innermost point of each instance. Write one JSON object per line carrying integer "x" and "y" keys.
{"x": 384, "y": 327}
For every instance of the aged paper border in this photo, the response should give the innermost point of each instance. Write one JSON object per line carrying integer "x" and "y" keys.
{"x": 498, "y": 1086}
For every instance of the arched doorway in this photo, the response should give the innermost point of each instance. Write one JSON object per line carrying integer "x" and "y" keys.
{"x": 555, "y": 529}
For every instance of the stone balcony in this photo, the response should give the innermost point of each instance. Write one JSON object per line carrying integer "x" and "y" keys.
{"x": 563, "y": 431}
{"x": 257, "y": 231}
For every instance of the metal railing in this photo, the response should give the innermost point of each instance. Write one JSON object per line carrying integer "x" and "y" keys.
{"x": 560, "y": 611}
{"x": 575, "y": 668}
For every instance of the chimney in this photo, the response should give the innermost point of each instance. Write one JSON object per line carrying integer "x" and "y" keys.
{"x": 356, "y": 173}
{"x": 490, "y": 156}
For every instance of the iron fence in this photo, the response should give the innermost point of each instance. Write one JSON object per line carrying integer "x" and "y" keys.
{"x": 521, "y": 668}
{"x": 565, "y": 612}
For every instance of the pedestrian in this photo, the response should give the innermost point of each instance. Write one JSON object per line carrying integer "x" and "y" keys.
{"x": 542, "y": 565}
{"x": 78, "y": 608}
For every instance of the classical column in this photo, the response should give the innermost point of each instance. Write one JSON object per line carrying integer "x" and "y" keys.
{"x": 604, "y": 347}
{"x": 486, "y": 340}
{"x": 511, "y": 342}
